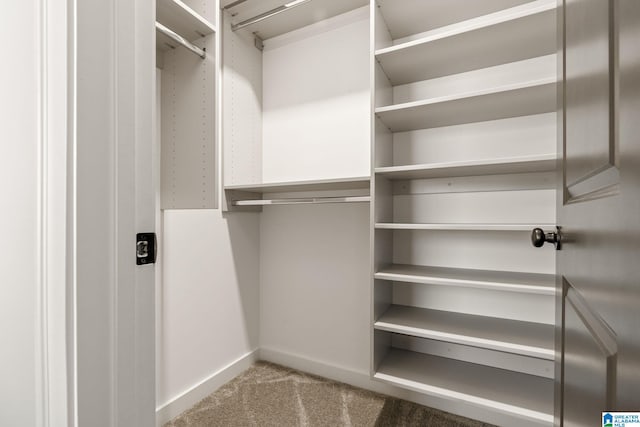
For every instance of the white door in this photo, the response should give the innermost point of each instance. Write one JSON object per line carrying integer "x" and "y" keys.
{"x": 114, "y": 200}
{"x": 599, "y": 212}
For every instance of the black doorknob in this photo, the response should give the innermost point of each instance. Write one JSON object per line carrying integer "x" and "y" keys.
{"x": 539, "y": 237}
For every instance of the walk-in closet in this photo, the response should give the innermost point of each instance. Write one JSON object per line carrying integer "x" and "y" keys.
{"x": 320, "y": 212}
{"x": 385, "y": 162}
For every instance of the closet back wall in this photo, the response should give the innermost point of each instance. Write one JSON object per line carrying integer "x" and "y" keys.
{"x": 316, "y": 101}
{"x": 314, "y": 259}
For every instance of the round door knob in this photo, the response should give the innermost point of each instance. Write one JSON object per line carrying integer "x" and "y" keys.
{"x": 539, "y": 238}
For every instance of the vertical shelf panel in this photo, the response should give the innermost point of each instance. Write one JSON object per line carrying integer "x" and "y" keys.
{"x": 455, "y": 233}
{"x": 188, "y": 158}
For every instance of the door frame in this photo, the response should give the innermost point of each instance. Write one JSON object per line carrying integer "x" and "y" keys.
{"x": 53, "y": 314}
{"x": 95, "y": 335}
{"x": 114, "y": 200}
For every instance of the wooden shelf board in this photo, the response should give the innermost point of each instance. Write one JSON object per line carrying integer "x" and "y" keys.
{"x": 474, "y": 44}
{"x": 311, "y": 185}
{"x": 524, "y": 164}
{"x": 509, "y": 336}
{"x": 512, "y": 393}
{"x": 523, "y": 99}
{"x": 180, "y": 18}
{"x": 460, "y": 226}
{"x": 532, "y": 283}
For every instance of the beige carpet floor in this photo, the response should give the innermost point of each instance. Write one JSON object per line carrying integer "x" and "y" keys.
{"x": 268, "y": 395}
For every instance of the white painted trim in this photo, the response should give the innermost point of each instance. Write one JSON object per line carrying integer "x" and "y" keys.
{"x": 57, "y": 174}
{"x": 193, "y": 395}
{"x": 52, "y": 407}
{"x": 72, "y": 217}
{"x": 362, "y": 379}
{"x": 41, "y": 316}
{"x": 333, "y": 372}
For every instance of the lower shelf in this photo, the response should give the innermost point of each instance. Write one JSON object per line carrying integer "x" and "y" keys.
{"x": 512, "y": 393}
{"x": 511, "y": 336}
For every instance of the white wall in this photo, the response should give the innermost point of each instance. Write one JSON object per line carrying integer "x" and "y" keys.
{"x": 316, "y": 101}
{"x": 18, "y": 216}
{"x": 209, "y": 300}
{"x": 315, "y": 284}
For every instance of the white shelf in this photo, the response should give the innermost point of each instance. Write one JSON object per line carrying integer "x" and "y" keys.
{"x": 311, "y": 185}
{"x": 294, "y": 18}
{"x": 510, "y": 336}
{"x": 474, "y": 44}
{"x": 511, "y": 393}
{"x": 509, "y": 165}
{"x": 461, "y": 226}
{"x": 523, "y": 99}
{"x": 532, "y": 283}
{"x": 408, "y": 18}
{"x": 180, "y": 18}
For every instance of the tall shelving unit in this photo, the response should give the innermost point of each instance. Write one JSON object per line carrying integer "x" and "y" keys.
{"x": 463, "y": 167}
{"x": 185, "y": 163}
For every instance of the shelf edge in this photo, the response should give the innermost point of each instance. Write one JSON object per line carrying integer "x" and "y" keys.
{"x": 440, "y": 281}
{"x": 466, "y": 95}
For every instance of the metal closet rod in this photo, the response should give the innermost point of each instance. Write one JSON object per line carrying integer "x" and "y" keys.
{"x": 264, "y": 15}
{"x": 181, "y": 40}
{"x": 302, "y": 201}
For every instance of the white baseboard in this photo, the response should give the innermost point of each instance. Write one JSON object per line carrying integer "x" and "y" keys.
{"x": 363, "y": 380}
{"x": 322, "y": 369}
{"x": 195, "y": 394}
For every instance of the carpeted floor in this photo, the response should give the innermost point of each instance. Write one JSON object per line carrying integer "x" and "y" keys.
{"x": 268, "y": 395}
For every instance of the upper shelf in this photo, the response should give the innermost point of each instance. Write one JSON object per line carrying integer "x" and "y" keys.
{"x": 522, "y": 99}
{"x": 407, "y": 18}
{"x": 524, "y": 164}
{"x": 183, "y": 20}
{"x": 269, "y": 24}
{"x": 474, "y": 44}
{"x": 311, "y": 185}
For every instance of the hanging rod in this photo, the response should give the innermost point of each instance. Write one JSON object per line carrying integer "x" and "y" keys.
{"x": 267, "y": 14}
{"x": 302, "y": 201}
{"x": 181, "y": 40}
